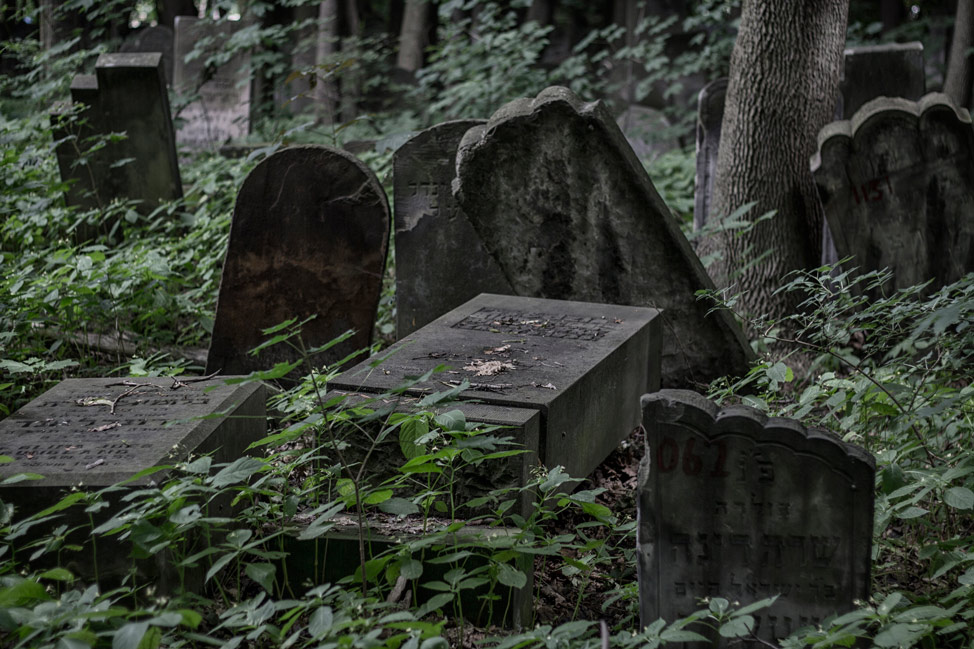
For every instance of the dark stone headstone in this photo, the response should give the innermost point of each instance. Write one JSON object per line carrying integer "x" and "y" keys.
{"x": 561, "y": 202}
{"x": 156, "y": 38}
{"x": 735, "y": 504}
{"x": 897, "y": 183}
{"x": 887, "y": 70}
{"x": 710, "y": 116}
{"x": 73, "y": 125}
{"x": 309, "y": 237}
{"x": 221, "y": 111}
{"x": 521, "y": 425}
{"x": 582, "y": 365}
{"x": 440, "y": 260}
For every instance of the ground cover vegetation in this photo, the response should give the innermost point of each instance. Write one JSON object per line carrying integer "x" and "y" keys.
{"x": 892, "y": 375}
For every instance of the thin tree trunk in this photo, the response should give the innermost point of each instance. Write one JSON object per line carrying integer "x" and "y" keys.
{"x": 784, "y": 76}
{"x": 412, "y": 35}
{"x": 351, "y": 86}
{"x": 326, "y": 90}
{"x": 960, "y": 64}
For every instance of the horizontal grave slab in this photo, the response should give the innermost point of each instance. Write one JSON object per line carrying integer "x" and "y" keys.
{"x": 518, "y": 429}
{"x": 581, "y": 365}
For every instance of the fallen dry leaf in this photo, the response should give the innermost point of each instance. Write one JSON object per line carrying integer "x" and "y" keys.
{"x": 101, "y": 429}
{"x": 497, "y": 350}
{"x": 488, "y": 368}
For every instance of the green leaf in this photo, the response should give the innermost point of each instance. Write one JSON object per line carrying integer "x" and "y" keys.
{"x": 411, "y": 569}
{"x": 238, "y": 471}
{"x": 263, "y": 574}
{"x": 413, "y": 429}
{"x": 912, "y": 512}
{"x": 900, "y": 635}
{"x": 959, "y": 498}
{"x": 737, "y": 627}
{"x": 57, "y": 574}
{"x": 321, "y": 622}
{"x": 399, "y": 507}
{"x": 377, "y": 497}
{"x": 130, "y": 635}
{"x": 681, "y": 635}
{"x": 511, "y": 576}
{"x": 191, "y": 618}
{"x": 23, "y": 593}
{"x": 453, "y": 420}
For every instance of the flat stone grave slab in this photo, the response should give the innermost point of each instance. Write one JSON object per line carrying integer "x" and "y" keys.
{"x": 440, "y": 260}
{"x": 521, "y": 425}
{"x": 567, "y": 210}
{"x": 897, "y": 185}
{"x": 581, "y": 365}
{"x": 308, "y": 238}
{"x": 734, "y": 504}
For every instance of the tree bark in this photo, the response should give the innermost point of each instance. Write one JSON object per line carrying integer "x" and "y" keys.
{"x": 541, "y": 12}
{"x": 960, "y": 64}
{"x": 326, "y": 90}
{"x": 412, "y": 35}
{"x": 784, "y": 76}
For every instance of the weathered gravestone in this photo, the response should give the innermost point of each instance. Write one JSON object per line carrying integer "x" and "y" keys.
{"x": 155, "y": 38}
{"x": 98, "y": 432}
{"x": 563, "y": 205}
{"x": 710, "y": 116}
{"x": 580, "y": 365}
{"x": 127, "y": 95}
{"x": 440, "y": 260}
{"x": 308, "y": 238}
{"x": 734, "y": 504}
{"x": 73, "y": 125}
{"x": 887, "y": 70}
{"x": 897, "y": 183}
{"x": 221, "y": 111}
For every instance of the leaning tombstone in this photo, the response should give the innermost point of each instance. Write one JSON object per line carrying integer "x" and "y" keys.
{"x": 73, "y": 126}
{"x": 887, "y": 70}
{"x": 440, "y": 260}
{"x": 132, "y": 98}
{"x": 155, "y": 38}
{"x": 220, "y": 109}
{"x": 308, "y": 239}
{"x": 897, "y": 183}
{"x": 738, "y": 505}
{"x": 710, "y": 116}
{"x": 566, "y": 209}
{"x": 99, "y": 432}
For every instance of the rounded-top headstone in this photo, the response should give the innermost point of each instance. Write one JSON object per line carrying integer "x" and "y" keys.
{"x": 565, "y": 207}
{"x": 309, "y": 237}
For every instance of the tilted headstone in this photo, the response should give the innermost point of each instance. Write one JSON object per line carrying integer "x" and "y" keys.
{"x": 308, "y": 238}
{"x": 73, "y": 125}
{"x": 440, "y": 260}
{"x": 581, "y": 365}
{"x": 887, "y": 70}
{"x": 561, "y": 202}
{"x": 95, "y": 433}
{"x": 710, "y": 116}
{"x": 155, "y": 38}
{"x": 647, "y": 131}
{"x": 734, "y": 504}
{"x": 897, "y": 183}
{"x": 222, "y": 110}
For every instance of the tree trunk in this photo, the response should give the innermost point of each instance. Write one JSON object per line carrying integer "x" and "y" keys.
{"x": 326, "y": 90}
{"x": 351, "y": 85}
{"x": 167, "y": 10}
{"x": 541, "y": 12}
{"x": 892, "y": 13}
{"x": 412, "y": 35}
{"x": 784, "y": 76}
{"x": 960, "y": 64}
{"x": 303, "y": 57}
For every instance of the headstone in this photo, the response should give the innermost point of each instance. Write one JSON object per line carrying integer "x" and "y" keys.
{"x": 710, "y": 116}
{"x": 887, "y": 70}
{"x": 521, "y": 426}
{"x": 95, "y": 433}
{"x": 897, "y": 183}
{"x": 155, "y": 38}
{"x": 734, "y": 504}
{"x": 581, "y": 365}
{"x": 222, "y": 110}
{"x": 440, "y": 260}
{"x": 647, "y": 131}
{"x": 126, "y": 95}
{"x": 568, "y": 212}
{"x": 308, "y": 238}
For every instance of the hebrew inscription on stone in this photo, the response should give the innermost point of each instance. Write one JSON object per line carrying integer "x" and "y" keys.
{"x": 736, "y": 505}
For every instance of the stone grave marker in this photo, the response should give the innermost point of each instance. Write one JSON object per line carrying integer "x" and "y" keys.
{"x": 581, "y": 365}
{"x": 737, "y": 505}
{"x": 222, "y": 110}
{"x": 440, "y": 260}
{"x": 155, "y": 38}
{"x": 308, "y": 238}
{"x": 98, "y": 432}
{"x": 897, "y": 183}
{"x": 561, "y": 202}
{"x": 887, "y": 70}
{"x": 77, "y": 166}
{"x": 710, "y": 116}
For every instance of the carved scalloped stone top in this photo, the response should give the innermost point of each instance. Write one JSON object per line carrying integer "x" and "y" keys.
{"x": 739, "y": 505}
{"x": 562, "y": 203}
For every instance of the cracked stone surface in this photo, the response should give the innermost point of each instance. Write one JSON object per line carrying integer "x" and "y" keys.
{"x": 309, "y": 237}
{"x": 565, "y": 208}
